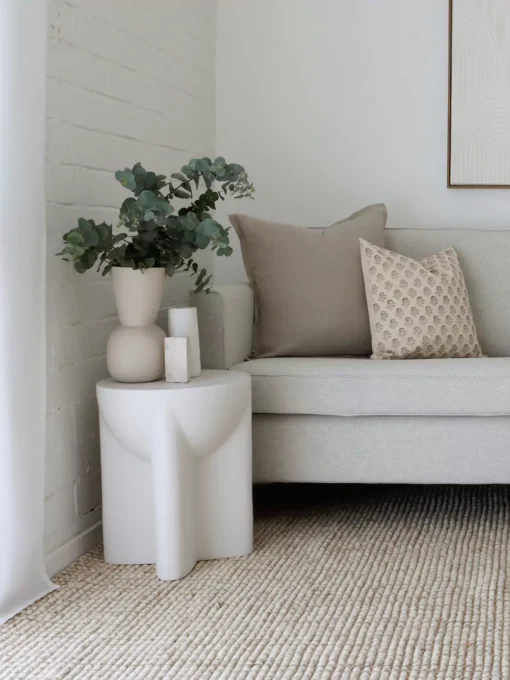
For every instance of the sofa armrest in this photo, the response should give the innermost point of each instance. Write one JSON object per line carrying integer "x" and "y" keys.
{"x": 225, "y": 323}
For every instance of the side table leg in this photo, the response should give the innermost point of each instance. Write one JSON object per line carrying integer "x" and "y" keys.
{"x": 173, "y": 474}
{"x": 224, "y": 497}
{"x": 128, "y": 532}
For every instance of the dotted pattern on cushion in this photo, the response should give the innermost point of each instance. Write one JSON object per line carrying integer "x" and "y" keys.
{"x": 418, "y": 310}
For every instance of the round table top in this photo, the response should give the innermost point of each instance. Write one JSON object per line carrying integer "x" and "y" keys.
{"x": 206, "y": 379}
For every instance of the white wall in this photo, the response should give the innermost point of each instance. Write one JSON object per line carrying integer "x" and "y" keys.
{"x": 127, "y": 81}
{"x": 334, "y": 104}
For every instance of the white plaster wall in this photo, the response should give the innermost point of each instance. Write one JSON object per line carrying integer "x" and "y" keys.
{"x": 127, "y": 81}
{"x": 335, "y": 104}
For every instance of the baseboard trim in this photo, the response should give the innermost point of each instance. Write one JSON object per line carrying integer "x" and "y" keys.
{"x": 69, "y": 552}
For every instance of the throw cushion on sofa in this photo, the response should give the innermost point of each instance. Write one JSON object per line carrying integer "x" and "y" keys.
{"x": 308, "y": 284}
{"x": 418, "y": 310}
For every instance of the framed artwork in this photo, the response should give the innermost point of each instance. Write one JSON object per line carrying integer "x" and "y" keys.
{"x": 479, "y": 94}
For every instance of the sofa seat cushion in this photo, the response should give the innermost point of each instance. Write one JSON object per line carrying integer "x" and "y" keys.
{"x": 362, "y": 387}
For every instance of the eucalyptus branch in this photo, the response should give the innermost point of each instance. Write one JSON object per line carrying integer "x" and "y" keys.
{"x": 157, "y": 235}
{"x": 182, "y": 184}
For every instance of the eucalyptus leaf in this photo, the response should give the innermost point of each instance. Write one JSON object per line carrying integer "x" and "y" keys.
{"x": 189, "y": 221}
{"x": 104, "y": 232}
{"x": 203, "y": 284}
{"x": 74, "y": 238}
{"x": 186, "y": 250}
{"x": 147, "y": 199}
{"x": 182, "y": 194}
{"x": 189, "y": 237}
{"x": 202, "y": 241}
{"x": 149, "y": 180}
{"x": 147, "y": 236}
{"x": 210, "y": 228}
{"x": 162, "y": 206}
{"x": 126, "y": 178}
{"x": 91, "y": 238}
{"x": 201, "y": 275}
{"x": 83, "y": 223}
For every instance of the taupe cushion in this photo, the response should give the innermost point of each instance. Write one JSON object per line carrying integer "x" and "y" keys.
{"x": 308, "y": 284}
{"x": 361, "y": 387}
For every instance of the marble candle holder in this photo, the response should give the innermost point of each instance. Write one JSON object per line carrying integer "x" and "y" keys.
{"x": 177, "y": 360}
{"x": 183, "y": 321}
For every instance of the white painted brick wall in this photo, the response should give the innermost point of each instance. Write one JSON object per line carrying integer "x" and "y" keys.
{"x": 127, "y": 81}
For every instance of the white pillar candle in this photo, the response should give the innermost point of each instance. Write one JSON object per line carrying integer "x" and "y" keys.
{"x": 177, "y": 355}
{"x": 182, "y": 322}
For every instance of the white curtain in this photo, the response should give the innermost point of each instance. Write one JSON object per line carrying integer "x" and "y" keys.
{"x": 23, "y": 578}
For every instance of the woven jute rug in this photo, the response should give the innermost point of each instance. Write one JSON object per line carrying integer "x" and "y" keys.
{"x": 345, "y": 582}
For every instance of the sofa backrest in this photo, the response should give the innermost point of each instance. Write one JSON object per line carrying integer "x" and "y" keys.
{"x": 485, "y": 260}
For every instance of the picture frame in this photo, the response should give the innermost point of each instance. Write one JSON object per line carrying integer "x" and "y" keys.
{"x": 473, "y": 156}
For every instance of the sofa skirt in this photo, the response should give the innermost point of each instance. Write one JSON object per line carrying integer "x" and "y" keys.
{"x": 365, "y": 449}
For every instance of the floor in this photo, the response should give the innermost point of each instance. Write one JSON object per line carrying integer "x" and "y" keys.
{"x": 348, "y": 582}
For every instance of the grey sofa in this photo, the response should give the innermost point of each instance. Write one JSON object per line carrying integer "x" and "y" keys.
{"x": 357, "y": 420}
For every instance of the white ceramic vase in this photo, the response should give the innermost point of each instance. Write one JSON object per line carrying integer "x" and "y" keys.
{"x": 182, "y": 323}
{"x": 136, "y": 349}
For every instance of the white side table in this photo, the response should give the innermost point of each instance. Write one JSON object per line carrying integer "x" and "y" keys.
{"x": 176, "y": 471}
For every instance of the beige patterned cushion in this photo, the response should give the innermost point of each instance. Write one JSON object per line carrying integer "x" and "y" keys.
{"x": 417, "y": 310}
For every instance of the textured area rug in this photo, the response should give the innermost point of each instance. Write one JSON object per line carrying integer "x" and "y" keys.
{"x": 345, "y": 582}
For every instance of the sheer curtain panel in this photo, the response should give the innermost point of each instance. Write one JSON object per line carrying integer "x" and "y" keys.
{"x": 23, "y": 579}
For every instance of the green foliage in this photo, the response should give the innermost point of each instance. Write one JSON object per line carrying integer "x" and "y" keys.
{"x": 150, "y": 232}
